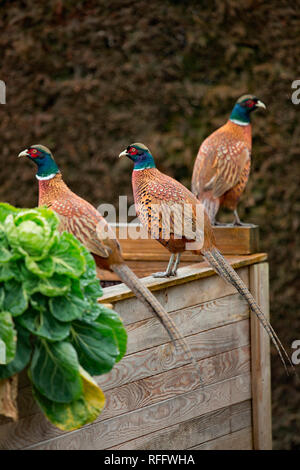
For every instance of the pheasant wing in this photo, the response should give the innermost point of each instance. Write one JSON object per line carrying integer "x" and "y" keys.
{"x": 229, "y": 163}
{"x": 85, "y": 223}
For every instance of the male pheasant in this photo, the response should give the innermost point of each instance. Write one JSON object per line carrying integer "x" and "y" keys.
{"x": 222, "y": 166}
{"x": 157, "y": 197}
{"x": 80, "y": 218}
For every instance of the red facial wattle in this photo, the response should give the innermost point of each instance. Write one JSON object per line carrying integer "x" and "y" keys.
{"x": 250, "y": 103}
{"x": 33, "y": 153}
{"x": 133, "y": 151}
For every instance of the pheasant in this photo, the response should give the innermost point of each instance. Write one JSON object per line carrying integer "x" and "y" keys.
{"x": 80, "y": 218}
{"x": 222, "y": 166}
{"x": 156, "y": 197}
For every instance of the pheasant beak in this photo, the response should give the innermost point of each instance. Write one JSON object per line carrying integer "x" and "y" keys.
{"x": 260, "y": 104}
{"x": 23, "y": 154}
{"x": 123, "y": 154}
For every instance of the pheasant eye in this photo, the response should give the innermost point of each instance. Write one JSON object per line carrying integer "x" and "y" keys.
{"x": 133, "y": 150}
{"x": 33, "y": 152}
{"x": 250, "y": 103}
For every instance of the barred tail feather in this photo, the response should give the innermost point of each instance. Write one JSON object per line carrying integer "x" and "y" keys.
{"x": 223, "y": 268}
{"x": 148, "y": 299}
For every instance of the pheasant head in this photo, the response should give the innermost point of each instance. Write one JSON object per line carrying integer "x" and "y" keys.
{"x": 140, "y": 155}
{"x": 44, "y": 160}
{"x": 243, "y": 107}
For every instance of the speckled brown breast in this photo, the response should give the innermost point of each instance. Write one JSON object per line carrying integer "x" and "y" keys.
{"x": 156, "y": 196}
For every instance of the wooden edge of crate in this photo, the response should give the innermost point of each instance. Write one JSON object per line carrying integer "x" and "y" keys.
{"x": 231, "y": 240}
{"x": 184, "y": 275}
{"x": 260, "y": 361}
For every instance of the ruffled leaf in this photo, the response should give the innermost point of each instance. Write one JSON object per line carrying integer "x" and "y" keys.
{"x": 68, "y": 307}
{"x": 43, "y": 324}
{"x": 16, "y": 299}
{"x": 22, "y": 355}
{"x": 77, "y": 413}
{"x": 42, "y": 268}
{"x": 67, "y": 256}
{"x": 56, "y": 285}
{"x": 54, "y": 370}
{"x": 8, "y": 338}
{"x": 110, "y": 318}
{"x": 96, "y": 346}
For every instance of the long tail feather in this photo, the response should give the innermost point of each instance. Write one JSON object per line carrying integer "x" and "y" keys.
{"x": 223, "y": 268}
{"x": 148, "y": 299}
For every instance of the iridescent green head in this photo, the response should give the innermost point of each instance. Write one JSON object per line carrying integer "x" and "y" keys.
{"x": 243, "y": 107}
{"x": 140, "y": 155}
{"x": 44, "y": 160}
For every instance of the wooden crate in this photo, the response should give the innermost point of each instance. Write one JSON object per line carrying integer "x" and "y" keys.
{"x": 154, "y": 400}
{"x": 146, "y": 256}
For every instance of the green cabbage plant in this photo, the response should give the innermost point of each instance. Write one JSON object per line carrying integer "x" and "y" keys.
{"x": 50, "y": 319}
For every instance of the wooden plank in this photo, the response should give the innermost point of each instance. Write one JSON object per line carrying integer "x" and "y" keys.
{"x": 198, "y": 296}
{"x": 193, "y": 322}
{"x": 208, "y": 311}
{"x": 195, "y": 431}
{"x": 260, "y": 343}
{"x": 239, "y": 440}
{"x": 8, "y": 398}
{"x": 229, "y": 240}
{"x": 184, "y": 275}
{"x": 221, "y": 330}
{"x": 144, "y": 335}
{"x": 237, "y": 240}
{"x": 105, "y": 275}
{"x": 145, "y": 392}
{"x": 148, "y": 333}
{"x": 131, "y": 425}
{"x": 173, "y": 297}
{"x": 144, "y": 248}
{"x": 154, "y": 391}
{"x": 146, "y": 256}
{"x": 193, "y": 297}
{"x": 192, "y": 315}
{"x": 143, "y": 268}
{"x": 175, "y": 382}
{"x": 153, "y": 361}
